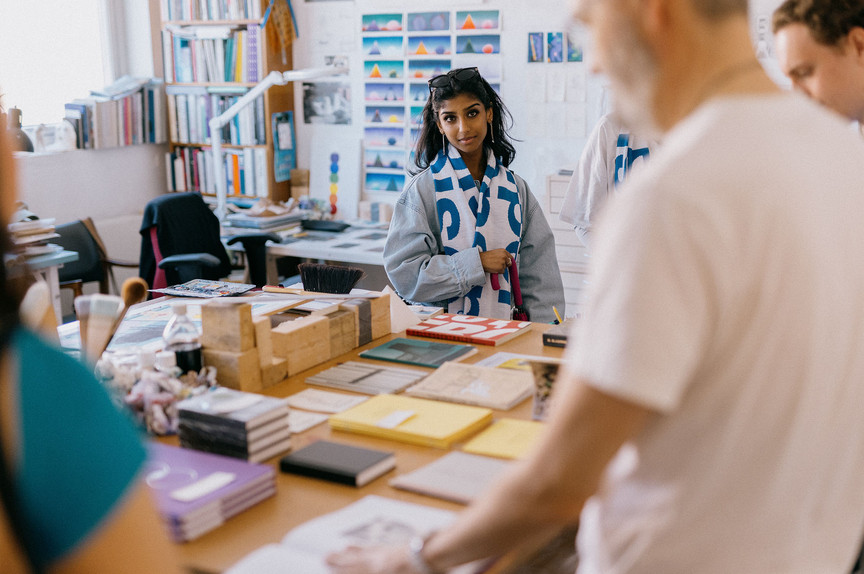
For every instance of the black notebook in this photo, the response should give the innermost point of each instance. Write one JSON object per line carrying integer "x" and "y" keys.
{"x": 339, "y": 462}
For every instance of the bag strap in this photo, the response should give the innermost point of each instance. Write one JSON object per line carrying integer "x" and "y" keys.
{"x": 514, "y": 284}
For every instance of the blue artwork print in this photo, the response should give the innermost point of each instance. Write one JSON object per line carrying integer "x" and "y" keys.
{"x": 535, "y": 47}
{"x": 554, "y": 47}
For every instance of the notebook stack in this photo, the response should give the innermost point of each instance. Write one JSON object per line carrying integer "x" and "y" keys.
{"x": 235, "y": 423}
{"x": 197, "y": 491}
{"x": 31, "y": 237}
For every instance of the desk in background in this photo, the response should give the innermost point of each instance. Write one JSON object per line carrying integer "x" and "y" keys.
{"x": 300, "y": 499}
{"x": 45, "y": 267}
{"x": 359, "y": 246}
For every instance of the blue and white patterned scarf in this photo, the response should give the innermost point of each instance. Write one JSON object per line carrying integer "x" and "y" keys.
{"x": 489, "y": 218}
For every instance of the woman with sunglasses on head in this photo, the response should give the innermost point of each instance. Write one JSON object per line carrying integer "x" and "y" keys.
{"x": 464, "y": 217}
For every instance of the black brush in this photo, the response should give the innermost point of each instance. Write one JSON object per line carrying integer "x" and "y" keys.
{"x": 323, "y": 278}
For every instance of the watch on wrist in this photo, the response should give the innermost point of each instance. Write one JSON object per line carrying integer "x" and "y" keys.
{"x": 415, "y": 552}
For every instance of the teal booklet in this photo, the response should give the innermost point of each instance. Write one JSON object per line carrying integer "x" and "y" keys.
{"x": 419, "y": 352}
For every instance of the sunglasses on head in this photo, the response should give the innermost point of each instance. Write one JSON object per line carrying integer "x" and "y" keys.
{"x": 453, "y": 77}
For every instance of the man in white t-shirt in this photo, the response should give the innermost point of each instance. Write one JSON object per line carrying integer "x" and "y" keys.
{"x": 610, "y": 154}
{"x": 820, "y": 47}
{"x": 708, "y": 419}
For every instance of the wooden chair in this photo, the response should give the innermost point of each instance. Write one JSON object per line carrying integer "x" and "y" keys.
{"x": 93, "y": 263}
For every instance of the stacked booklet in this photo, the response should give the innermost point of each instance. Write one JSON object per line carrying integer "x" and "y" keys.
{"x": 415, "y": 421}
{"x": 197, "y": 491}
{"x": 235, "y": 423}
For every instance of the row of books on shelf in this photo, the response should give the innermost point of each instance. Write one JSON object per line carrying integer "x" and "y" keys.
{"x": 213, "y": 54}
{"x": 211, "y": 9}
{"x": 190, "y": 108}
{"x": 245, "y": 170}
{"x": 131, "y": 111}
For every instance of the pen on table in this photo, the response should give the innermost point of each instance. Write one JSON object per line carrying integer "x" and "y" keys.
{"x": 557, "y": 316}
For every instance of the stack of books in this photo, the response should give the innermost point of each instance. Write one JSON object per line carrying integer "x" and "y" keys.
{"x": 31, "y": 237}
{"x": 196, "y": 491}
{"x": 130, "y": 111}
{"x": 235, "y": 423}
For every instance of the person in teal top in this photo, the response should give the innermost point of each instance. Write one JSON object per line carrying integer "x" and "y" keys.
{"x": 71, "y": 463}
{"x": 65, "y": 417}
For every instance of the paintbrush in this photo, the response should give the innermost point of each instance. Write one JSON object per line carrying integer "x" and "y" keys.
{"x": 82, "y": 311}
{"x": 104, "y": 310}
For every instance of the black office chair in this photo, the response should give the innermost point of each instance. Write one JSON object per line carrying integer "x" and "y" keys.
{"x": 180, "y": 241}
{"x": 93, "y": 263}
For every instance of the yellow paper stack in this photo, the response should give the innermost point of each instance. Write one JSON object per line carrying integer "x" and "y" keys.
{"x": 507, "y": 438}
{"x": 416, "y": 421}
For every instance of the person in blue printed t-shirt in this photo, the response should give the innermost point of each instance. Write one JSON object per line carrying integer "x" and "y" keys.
{"x": 611, "y": 153}
{"x": 466, "y": 217}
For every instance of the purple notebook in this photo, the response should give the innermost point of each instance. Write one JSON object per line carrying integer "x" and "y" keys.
{"x": 196, "y": 491}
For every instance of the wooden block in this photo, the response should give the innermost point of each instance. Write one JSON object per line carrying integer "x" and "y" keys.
{"x": 240, "y": 371}
{"x": 343, "y": 337}
{"x": 274, "y": 373}
{"x": 303, "y": 342}
{"x": 227, "y": 326}
{"x": 263, "y": 340}
{"x": 362, "y": 312}
{"x": 380, "y": 315}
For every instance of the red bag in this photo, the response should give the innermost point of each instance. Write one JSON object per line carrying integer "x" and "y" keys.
{"x": 519, "y": 313}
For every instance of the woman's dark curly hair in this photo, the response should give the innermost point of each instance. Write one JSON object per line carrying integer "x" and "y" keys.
{"x": 829, "y": 21}
{"x": 429, "y": 143}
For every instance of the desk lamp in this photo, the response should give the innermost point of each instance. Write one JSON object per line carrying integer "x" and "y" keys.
{"x": 217, "y": 123}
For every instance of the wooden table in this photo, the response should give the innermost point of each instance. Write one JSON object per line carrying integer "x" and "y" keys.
{"x": 299, "y": 499}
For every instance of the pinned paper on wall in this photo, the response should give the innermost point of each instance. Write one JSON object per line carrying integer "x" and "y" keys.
{"x": 556, "y": 87}
{"x": 327, "y": 102}
{"x": 577, "y": 80}
{"x": 535, "y": 85}
{"x": 334, "y": 174}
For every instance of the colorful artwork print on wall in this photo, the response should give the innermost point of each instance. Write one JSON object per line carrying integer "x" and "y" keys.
{"x": 480, "y": 44}
{"x": 554, "y": 47}
{"x": 383, "y": 69}
{"x": 384, "y": 92}
{"x": 391, "y": 182}
{"x": 382, "y": 22}
{"x": 385, "y": 115}
{"x": 384, "y": 137}
{"x": 428, "y": 46}
{"x": 428, "y": 21}
{"x": 426, "y": 69}
{"x": 382, "y": 47}
{"x": 384, "y": 159}
{"x": 574, "y": 49}
{"x": 416, "y": 115}
{"x": 418, "y": 93}
{"x": 535, "y": 47}
{"x": 478, "y": 20}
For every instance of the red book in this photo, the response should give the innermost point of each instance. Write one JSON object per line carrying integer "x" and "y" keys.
{"x": 469, "y": 329}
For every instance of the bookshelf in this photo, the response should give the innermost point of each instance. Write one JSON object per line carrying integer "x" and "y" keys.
{"x": 213, "y": 52}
